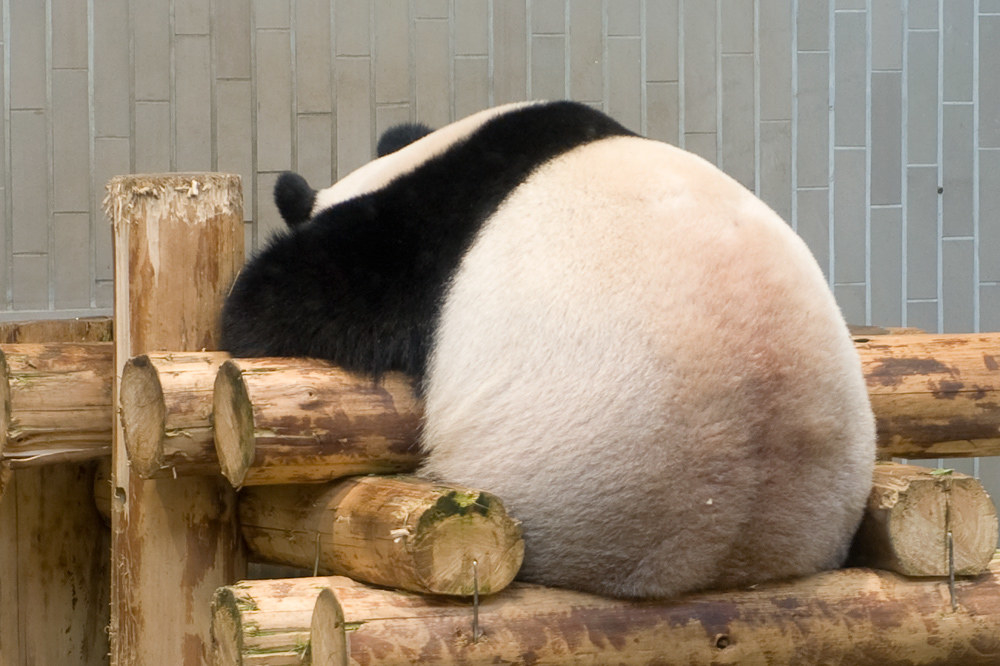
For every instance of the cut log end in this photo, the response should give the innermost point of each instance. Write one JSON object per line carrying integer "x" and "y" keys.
{"x": 328, "y": 643}
{"x": 234, "y": 429}
{"x": 143, "y": 415}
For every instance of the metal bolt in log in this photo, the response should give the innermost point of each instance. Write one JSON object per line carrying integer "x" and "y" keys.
{"x": 849, "y": 616}
{"x": 301, "y": 420}
{"x": 166, "y": 413}
{"x": 55, "y": 402}
{"x": 934, "y": 396}
{"x": 911, "y": 511}
{"x": 399, "y": 532}
{"x": 264, "y": 621}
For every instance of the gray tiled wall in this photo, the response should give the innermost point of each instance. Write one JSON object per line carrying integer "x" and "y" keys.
{"x": 872, "y": 127}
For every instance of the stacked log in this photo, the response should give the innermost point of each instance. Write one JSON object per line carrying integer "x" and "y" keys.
{"x": 301, "y": 420}
{"x": 849, "y": 616}
{"x": 55, "y": 402}
{"x": 400, "y": 532}
{"x": 166, "y": 413}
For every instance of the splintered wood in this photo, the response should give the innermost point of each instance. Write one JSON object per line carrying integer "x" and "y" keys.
{"x": 934, "y": 396}
{"x": 300, "y": 420}
{"x": 400, "y": 532}
{"x": 850, "y": 616}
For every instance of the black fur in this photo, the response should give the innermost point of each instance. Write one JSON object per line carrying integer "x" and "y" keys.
{"x": 294, "y": 198}
{"x": 400, "y": 136}
{"x": 361, "y": 284}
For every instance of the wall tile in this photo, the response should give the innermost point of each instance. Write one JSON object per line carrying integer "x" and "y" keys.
{"x": 958, "y": 20}
{"x": 989, "y": 82}
{"x": 813, "y": 224}
{"x": 737, "y": 26}
{"x": 152, "y": 137}
{"x": 922, "y": 98}
{"x": 625, "y": 87}
{"x": 662, "y": 112}
{"x": 233, "y": 131}
{"x": 510, "y": 67}
{"x": 662, "y": 41}
{"x": 352, "y": 20}
{"x": 231, "y": 38}
{"x": 112, "y": 70}
{"x": 853, "y": 303}
{"x": 27, "y": 59}
{"x": 738, "y": 118}
{"x": 29, "y": 193}
{"x": 813, "y": 137}
{"x": 887, "y": 266}
{"x": 958, "y": 291}
{"x": 548, "y": 67}
{"x": 71, "y": 260}
{"x": 989, "y": 317}
{"x": 775, "y": 48}
{"x": 957, "y": 164}
{"x": 923, "y": 315}
{"x": 886, "y": 138}
{"x": 623, "y": 18}
{"x": 586, "y": 50}
{"x": 775, "y": 176}
{"x": 30, "y": 281}
{"x": 70, "y": 141}
{"x": 192, "y": 17}
{"x": 472, "y": 91}
{"x": 272, "y": 14}
{"x": 699, "y": 76}
{"x": 472, "y": 27}
{"x": 431, "y": 8}
{"x": 850, "y": 104}
{"x": 849, "y": 215}
{"x": 313, "y": 70}
{"x": 69, "y": 30}
{"x": 548, "y": 17}
{"x": 274, "y": 100}
{"x": 354, "y": 114}
{"x": 151, "y": 49}
{"x": 432, "y": 80}
{"x": 989, "y": 216}
{"x": 813, "y": 25}
{"x": 392, "y": 51}
{"x": 922, "y": 232}
{"x": 192, "y": 104}
{"x": 887, "y": 34}
{"x": 314, "y": 137}
{"x": 923, "y": 14}
{"x": 111, "y": 158}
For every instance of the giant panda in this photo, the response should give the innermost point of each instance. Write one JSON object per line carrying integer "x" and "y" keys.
{"x": 624, "y": 344}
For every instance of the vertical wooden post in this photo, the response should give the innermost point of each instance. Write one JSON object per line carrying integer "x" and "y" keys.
{"x": 178, "y": 245}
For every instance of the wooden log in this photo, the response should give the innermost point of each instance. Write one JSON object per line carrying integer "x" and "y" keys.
{"x": 55, "y": 402}
{"x": 178, "y": 242}
{"x": 264, "y": 621}
{"x": 911, "y": 512}
{"x": 166, "y": 412}
{"x": 850, "y": 616}
{"x": 399, "y": 532}
{"x": 934, "y": 396}
{"x": 54, "y": 566}
{"x": 302, "y": 420}
{"x": 83, "y": 329}
{"x": 102, "y": 489}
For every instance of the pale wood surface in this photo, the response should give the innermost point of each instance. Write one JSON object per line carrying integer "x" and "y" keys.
{"x": 934, "y": 396}
{"x": 853, "y": 617}
{"x": 178, "y": 246}
{"x": 264, "y": 621}
{"x": 910, "y": 512}
{"x": 55, "y": 402}
{"x": 399, "y": 532}
{"x": 85, "y": 329}
{"x": 166, "y": 412}
{"x": 300, "y": 420}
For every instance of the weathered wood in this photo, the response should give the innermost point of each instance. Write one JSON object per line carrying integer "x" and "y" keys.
{"x": 102, "y": 489}
{"x": 851, "y": 616}
{"x": 84, "y": 329}
{"x": 264, "y": 621}
{"x": 910, "y": 513}
{"x": 858, "y": 331}
{"x": 178, "y": 245}
{"x": 934, "y": 395}
{"x": 55, "y": 402}
{"x": 166, "y": 403}
{"x": 54, "y": 567}
{"x": 301, "y": 420}
{"x": 400, "y": 532}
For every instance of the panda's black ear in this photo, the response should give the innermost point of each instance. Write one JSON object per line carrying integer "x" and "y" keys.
{"x": 400, "y": 136}
{"x": 294, "y": 198}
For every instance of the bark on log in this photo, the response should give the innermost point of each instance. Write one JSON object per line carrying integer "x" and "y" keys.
{"x": 264, "y": 621}
{"x": 934, "y": 396}
{"x": 851, "y": 616}
{"x": 910, "y": 513}
{"x": 301, "y": 420}
{"x": 178, "y": 242}
{"x": 55, "y": 402}
{"x": 399, "y": 532}
{"x": 166, "y": 403}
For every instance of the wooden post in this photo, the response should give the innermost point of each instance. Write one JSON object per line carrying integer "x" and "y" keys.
{"x": 265, "y": 621}
{"x": 54, "y": 565}
{"x": 850, "y": 616}
{"x": 396, "y": 531}
{"x": 934, "y": 396}
{"x": 912, "y": 510}
{"x": 55, "y": 402}
{"x": 301, "y": 420}
{"x": 166, "y": 403}
{"x": 178, "y": 245}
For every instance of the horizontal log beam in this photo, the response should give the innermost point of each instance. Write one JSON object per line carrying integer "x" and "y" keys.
{"x": 934, "y": 396}
{"x": 55, "y": 402}
{"x": 166, "y": 413}
{"x": 849, "y": 616}
{"x": 83, "y": 329}
{"x": 400, "y": 532}
{"x": 301, "y": 420}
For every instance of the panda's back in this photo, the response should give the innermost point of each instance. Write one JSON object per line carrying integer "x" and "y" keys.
{"x": 636, "y": 351}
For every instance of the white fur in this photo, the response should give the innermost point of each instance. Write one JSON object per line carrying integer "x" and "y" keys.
{"x": 378, "y": 173}
{"x": 645, "y": 363}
